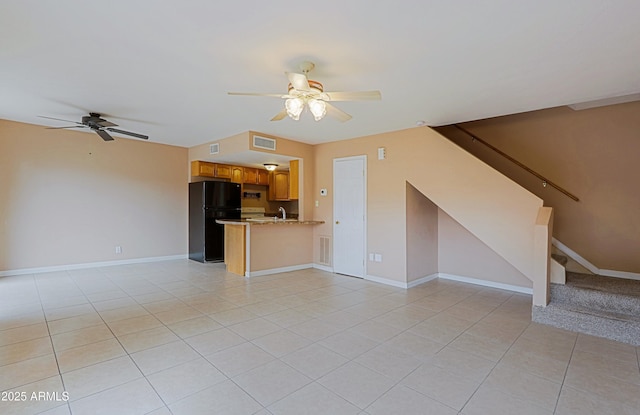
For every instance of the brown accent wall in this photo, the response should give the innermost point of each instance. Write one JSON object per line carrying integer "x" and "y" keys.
{"x": 592, "y": 153}
{"x": 68, "y": 197}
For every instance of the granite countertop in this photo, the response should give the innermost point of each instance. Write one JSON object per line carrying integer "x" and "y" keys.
{"x": 268, "y": 221}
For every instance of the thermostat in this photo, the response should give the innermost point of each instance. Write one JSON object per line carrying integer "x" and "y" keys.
{"x": 323, "y": 192}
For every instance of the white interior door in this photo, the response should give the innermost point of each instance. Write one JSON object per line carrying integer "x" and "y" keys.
{"x": 349, "y": 215}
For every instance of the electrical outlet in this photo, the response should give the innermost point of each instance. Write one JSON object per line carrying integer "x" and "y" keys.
{"x": 317, "y": 203}
{"x": 378, "y": 257}
{"x": 118, "y": 249}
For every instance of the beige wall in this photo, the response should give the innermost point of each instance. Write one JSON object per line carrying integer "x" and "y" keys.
{"x": 422, "y": 235}
{"x": 68, "y": 197}
{"x": 462, "y": 254}
{"x": 277, "y": 246}
{"x": 489, "y": 205}
{"x": 593, "y": 154}
{"x": 386, "y": 200}
{"x": 230, "y": 145}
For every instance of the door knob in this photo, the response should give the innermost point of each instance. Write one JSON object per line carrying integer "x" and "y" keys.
{"x": 337, "y": 222}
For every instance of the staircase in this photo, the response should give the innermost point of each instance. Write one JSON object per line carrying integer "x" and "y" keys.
{"x": 592, "y": 304}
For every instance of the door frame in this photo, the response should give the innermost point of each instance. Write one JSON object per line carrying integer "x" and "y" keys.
{"x": 362, "y": 157}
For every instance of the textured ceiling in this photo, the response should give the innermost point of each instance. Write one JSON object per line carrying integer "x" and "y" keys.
{"x": 164, "y": 68}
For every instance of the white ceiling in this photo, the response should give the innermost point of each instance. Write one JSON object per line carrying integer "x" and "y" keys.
{"x": 164, "y": 67}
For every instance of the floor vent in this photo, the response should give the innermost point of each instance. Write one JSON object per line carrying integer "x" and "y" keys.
{"x": 264, "y": 143}
{"x": 325, "y": 250}
{"x": 214, "y": 148}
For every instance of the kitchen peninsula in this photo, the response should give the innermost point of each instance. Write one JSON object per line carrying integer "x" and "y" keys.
{"x": 265, "y": 247}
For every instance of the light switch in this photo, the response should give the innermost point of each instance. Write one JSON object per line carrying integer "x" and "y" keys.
{"x": 378, "y": 257}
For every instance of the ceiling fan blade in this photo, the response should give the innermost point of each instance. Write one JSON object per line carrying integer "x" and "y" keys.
{"x": 69, "y": 126}
{"x": 257, "y": 94}
{"x": 115, "y": 130}
{"x": 105, "y": 136}
{"x": 337, "y": 113}
{"x": 104, "y": 123}
{"x": 352, "y": 96}
{"x": 59, "y": 119}
{"x": 298, "y": 81}
{"x": 280, "y": 115}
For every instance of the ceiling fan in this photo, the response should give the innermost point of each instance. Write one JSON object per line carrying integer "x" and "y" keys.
{"x": 98, "y": 125}
{"x": 304, "y": 92}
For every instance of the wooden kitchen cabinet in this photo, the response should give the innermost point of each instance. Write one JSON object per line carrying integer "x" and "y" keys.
{"x": 237, "y": 174}
{"x": 250, "y": 175}
{"x": 256, "y": 176}
{"x": 203, "y": 168}
{"x": 223, "y": 171}
{"x": 263, "y": 177}
{"x": 294, "y": 187}
{"x": 279, "y": 185}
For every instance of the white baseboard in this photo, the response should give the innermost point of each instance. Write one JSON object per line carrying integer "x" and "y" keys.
{"x": 386, "y": 281}
{"x": 475, "y": 281}
{"x": 485, "y": 283}
{"x": 619, "y": 274}
{"x": 39, "y": 270}
{"x": 422, "y": 280}
{"x": 574, "y": 255}
{"x": 592, "y": 268}
{"x": 323, "y": 268}
{"x": 277, "y": 270}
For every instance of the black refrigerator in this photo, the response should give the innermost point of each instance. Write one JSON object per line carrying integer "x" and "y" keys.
{"x": 209, "y": 201}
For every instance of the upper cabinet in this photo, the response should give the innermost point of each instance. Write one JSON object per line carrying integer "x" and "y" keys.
{"x": 294, "y": 187}
{"x": 222, "y": 171}
{"x": 202, "y": 168}
{"x": 237, "y": 174}
{"x": 279, "y": 185}
{"x": 263, "y": 177}
{"x": 250, "y": 175}
{"x": 283, "y": 185}
{"x": 207, "y": 169}
{"x": 256, "y": 176}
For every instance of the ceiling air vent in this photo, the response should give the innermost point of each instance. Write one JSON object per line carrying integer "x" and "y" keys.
{"x": 214, "y": 148}
{"x": 264, "y": 143}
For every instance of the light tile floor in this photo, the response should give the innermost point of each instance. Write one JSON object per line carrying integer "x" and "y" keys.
{"x": 179, "y": 337}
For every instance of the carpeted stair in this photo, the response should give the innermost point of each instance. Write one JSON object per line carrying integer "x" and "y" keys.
{"x": 593, "y": 304}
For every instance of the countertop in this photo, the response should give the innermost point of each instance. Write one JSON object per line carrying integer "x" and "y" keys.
{"x": 246, "y": 222}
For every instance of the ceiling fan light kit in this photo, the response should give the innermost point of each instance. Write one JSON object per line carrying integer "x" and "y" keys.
{"x": 303, "y": 92}
{"x": 294, "y": 107}
{"x": 318, "y": 108}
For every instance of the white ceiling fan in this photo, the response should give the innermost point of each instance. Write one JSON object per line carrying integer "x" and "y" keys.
{"x": 304, "y": 92}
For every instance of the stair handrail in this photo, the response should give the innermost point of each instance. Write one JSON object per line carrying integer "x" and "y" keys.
{"x": 545, "y": 181}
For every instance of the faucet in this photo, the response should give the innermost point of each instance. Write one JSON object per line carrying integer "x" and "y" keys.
{"x": 284, "y": 213}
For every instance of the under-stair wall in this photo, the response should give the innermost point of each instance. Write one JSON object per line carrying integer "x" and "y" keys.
{"x": 493, "y": 208}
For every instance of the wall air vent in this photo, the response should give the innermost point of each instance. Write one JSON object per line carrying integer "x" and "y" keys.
{"x": 264, "y": 143}
{"x": 214, "y": 148}
{"x": 325, "y": 250}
